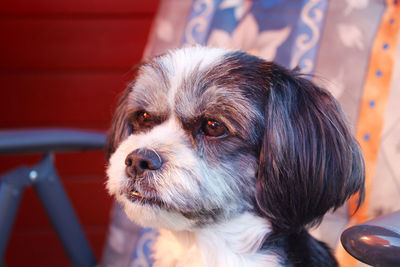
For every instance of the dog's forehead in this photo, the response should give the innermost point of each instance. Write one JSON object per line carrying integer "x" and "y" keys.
{"x": 201, "y": 81}
{"x": 187, "y": 65}
{"x": 162, "y": 77}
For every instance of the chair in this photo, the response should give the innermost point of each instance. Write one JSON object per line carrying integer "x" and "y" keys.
{"x": 44, "y": 179}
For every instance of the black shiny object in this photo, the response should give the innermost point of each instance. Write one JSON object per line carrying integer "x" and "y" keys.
{"x": 376, "y": 242}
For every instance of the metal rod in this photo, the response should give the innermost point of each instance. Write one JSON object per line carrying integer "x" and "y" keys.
{"x": 61, "y": 214}
{"x": 11, "y": 187}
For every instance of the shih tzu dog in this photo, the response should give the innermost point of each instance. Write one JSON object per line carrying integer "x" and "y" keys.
{"x": 233, "y": 158}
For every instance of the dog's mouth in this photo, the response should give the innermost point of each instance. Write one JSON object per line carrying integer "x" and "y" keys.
{"x": 142, "y": 196}
{"x": 134, "y": 195}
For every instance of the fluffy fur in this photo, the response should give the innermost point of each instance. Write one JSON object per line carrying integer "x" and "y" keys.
{"x": 232, "y": 157}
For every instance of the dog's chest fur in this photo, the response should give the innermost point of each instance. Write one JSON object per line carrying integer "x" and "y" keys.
{"x": 236, "y": 243}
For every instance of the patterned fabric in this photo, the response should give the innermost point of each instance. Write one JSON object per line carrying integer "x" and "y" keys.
{"x": 373, "y": 107}
{"x": 121, "y": 240}
{"x": 142, "y": 254}
{"x": 351, "y": 48}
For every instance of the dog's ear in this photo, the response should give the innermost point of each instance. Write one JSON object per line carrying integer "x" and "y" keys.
{"x": 309, "y": 160}
{"x": 119, "y": 128}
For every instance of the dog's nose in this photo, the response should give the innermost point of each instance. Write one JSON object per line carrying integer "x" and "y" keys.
{"x": 141, "y": 160}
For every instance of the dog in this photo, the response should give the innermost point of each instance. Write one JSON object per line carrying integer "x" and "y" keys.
{"x": 232, "y": 157}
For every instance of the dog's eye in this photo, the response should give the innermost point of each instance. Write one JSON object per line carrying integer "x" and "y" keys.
{"x": 213, "y": 128}
{"x": 143, "y": 119}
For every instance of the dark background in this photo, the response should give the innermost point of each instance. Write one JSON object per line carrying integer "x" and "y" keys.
{"x": 63, "y": 64}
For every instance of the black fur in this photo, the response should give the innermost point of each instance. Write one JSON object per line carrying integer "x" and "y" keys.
{"x": 300, "y": 250}
{"x": 309, "y": 164}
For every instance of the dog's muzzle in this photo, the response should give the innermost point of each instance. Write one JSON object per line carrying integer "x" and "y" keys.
{"x": 139, "y": 165}
{"x": 141, "y": 161}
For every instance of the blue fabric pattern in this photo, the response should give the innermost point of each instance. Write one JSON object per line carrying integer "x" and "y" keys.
{"x": 308, "y": 35}
{"x": 199, "y": 21}
{"x": 142, "y": 254}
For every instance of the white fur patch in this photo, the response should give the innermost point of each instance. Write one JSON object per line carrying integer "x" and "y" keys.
{"x": 162, "y": 135}
{"x": 233, "y": 243}
{"x": 180, "y": 63}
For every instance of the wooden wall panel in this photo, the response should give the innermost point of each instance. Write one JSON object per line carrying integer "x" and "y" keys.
{"x": 46, "y": 250}
{"x": 87, "y": 7}
{"x": 72, "y": 44}
{"x": 82, "y": 99}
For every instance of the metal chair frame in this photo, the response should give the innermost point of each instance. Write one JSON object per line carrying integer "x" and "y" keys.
{"x": 44, "y": 179}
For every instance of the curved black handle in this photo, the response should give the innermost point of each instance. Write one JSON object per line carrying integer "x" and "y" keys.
{"x": 46, "y": 140}
{"x": 376, "y": 242}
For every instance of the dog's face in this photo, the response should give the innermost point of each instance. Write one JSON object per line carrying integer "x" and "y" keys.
{"x": 204, "y": 134}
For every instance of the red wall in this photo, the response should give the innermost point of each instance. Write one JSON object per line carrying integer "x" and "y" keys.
{"x": 63, "y": 64}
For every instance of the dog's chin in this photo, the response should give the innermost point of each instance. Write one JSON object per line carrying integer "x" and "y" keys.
{"x": 151, "y": 213}
{"x": 147, "y": 196}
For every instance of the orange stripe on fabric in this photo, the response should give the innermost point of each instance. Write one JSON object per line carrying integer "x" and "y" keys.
{"x": 372, "y": 110}
{"x": 375, "y": 98}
